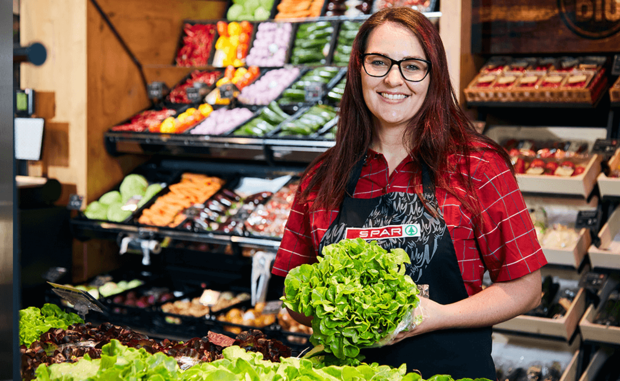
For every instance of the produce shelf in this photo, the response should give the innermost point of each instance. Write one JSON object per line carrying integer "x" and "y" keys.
{"x": 595, "y": 365}
{"x": 570, "y": 256}
{"x": 230, "y": 147}
{"x": 607, "y": 254}
{"x": 610, "y": 186}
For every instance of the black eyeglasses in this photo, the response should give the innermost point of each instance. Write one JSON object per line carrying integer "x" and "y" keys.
{"x": 412, "y": 69}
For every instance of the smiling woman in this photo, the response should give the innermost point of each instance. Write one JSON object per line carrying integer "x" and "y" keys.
{"x": 410, "y": 172}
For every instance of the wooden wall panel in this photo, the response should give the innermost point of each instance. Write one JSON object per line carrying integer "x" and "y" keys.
{"x": 61, "y": 27}
{"x": 545, "y": 26}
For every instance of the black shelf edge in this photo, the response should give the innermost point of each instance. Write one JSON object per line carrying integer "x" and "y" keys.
{"x": 110, "y": 230}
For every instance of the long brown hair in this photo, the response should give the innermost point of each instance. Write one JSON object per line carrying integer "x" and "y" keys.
{"x": 439, "y": 129}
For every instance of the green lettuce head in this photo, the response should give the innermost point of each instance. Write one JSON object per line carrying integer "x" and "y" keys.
{"x": 133, "y": 185}
{"x": 116, "y": 213}
{"x": 96, "y": 211}
{"x": 110, "y": 198}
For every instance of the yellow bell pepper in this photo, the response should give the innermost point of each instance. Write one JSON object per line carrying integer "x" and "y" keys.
{"x": 234, "y": 29}
{"x": 205, "y": 109}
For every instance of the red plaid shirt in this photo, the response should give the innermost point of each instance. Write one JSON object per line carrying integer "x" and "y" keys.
{"x": 505, "y": 244}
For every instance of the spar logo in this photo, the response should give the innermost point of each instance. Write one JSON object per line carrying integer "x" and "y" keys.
{"x": 384, "y": 232}
{"x": 594, "y": 19}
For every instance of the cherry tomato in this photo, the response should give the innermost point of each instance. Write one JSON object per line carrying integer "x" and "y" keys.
{"x": 222, "y": 28}
{"x": 246, "y": 27}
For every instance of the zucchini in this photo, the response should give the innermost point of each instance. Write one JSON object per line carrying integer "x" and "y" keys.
{"x": 295, "y": 95}
{"x": 273, "y": 106}
{"x": 271, "y": 117}
{"x": 309, "y": 44}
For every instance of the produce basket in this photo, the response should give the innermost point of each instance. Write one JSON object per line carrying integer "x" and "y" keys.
{"x": 223, "y": 114}
{"x": 607, "y": 254}
{"x": 563, "y": 326}
{"x": 210, "y": 47}
{"x": 312, "y": 55}
{"x": 293, "y": 15}
{"x": 294, "y": 97}
{"x": 491, "y": 93}
{"x": 270, "y": 16}
{"x": 581, "y": 184}
{"x": 554, "y": 220}
{"x": 180, "y": 85}
{"x": 132, "y": 206}
{"x": 609, "y": 185}
{"x": 218, "y": 60}
{"x": 347, "y": 30}
{"x": 598, "y": 332}
{"x": 240, "y": 99}
{"x": 274, "y": 56}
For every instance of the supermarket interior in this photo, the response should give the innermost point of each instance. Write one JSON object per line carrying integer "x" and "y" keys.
{"x": 159, "y": 146}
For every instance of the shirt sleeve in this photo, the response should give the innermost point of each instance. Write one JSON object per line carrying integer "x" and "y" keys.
{"x": 505, "y": 233}
{"x": 296, "y": 247}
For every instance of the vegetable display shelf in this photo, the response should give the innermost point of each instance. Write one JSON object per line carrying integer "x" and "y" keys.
{"x": 576, "y": 186}
{"x": 84, "y": 228}
{"x": 599, "y": 333}
{"x": 563, "y": 327}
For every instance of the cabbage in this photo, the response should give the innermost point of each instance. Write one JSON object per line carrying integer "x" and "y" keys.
{"x": 116, "y": 213}
{"x": 251, "y": 5}
{"x": 267, "y": 4}
{"x": 110, "y": 198}
{"x": 261, "y": 14}
{"x": 235, "y": 12}
{"x": 133, "y": 185}
{"x": 151, "y": 191}
{"x": 96, "y": 211}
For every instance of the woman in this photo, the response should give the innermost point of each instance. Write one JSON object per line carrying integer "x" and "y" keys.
{"x": 409, "y": 170}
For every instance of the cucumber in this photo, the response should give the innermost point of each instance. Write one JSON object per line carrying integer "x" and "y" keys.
{"x": 271, "y": 117}
{"x": 344, "y": 49}
{"x": 334, "y": 97}
{"x": 350, "y": 25}
{"x": 322, "y": 34}
{"x": 348, "y": 34}
{"x": 273, "y": 106}
{"x": 309, "y": 44}
{"x": 310, "y": 27}
{"x": 296, "y": 95}
{"x": 308, "y": 57}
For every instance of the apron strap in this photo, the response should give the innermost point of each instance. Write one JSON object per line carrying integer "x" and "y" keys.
{"x": 428, "y": 187}
{"x": 354, "y": 176}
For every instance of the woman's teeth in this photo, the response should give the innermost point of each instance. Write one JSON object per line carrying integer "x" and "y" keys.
{"x": 393, "y": 96}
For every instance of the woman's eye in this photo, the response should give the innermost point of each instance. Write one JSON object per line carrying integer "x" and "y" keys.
{"x": 412, "y": 68}
{"x": 378, "y": 63}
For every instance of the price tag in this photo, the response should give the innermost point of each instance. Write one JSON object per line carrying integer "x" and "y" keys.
{"x": 75, "y": 202}
{"x": 615, "y": 70}
{"x": 272, "y": 307}
{"x": 589, "y": 219}
{"x": 605, "y": 147}
{"x": 193, "y": 94}
{"x": 227, "y": 91}
{"x": 24, "y": 103}
{"x": 209, "y": 297}
{"x": 157, "y": 90}
{"x": 314, "y": 91}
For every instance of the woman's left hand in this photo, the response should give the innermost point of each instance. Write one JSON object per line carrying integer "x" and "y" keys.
{"x": 433, "y": 315}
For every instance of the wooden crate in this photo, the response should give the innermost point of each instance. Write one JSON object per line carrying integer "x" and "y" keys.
{"x": 563, "y": 327}
{"x": 574, "y": 185}
{"x": 610, "y": 186}
{"x": 588, "y": 95}
{"x": 545, "y": 349}
{"x": 570, "y": 256}
{"x": 595, "y": 365}
{"x": 607, "y": 255}
{"x": 597, "y": 332}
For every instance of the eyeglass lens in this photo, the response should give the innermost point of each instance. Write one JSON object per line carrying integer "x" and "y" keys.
{"x": 378, "y": 66}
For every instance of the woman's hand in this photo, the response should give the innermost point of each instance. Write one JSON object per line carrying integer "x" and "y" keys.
{"x": 433, "y": 315}
{"x": 497, "y": 303}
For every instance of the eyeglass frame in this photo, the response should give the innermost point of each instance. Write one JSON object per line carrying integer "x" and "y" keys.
{"x": 397, "y": 63}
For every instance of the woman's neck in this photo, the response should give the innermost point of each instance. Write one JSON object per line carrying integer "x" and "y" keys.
{"x": 389, "y": 142}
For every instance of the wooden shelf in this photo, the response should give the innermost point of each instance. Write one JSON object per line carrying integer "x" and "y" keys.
{"x": 597, "y": 332}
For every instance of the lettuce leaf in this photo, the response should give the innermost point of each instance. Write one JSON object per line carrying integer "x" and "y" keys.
{"x": 33, "y": 322}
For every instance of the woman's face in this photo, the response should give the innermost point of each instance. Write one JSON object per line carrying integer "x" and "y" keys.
{"x": 391, "y": 99}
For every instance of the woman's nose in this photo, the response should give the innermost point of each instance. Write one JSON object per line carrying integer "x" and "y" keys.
{"x": 393, "y": 77}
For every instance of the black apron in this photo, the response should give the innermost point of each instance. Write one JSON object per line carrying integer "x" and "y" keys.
{"x": 399, "y": 220}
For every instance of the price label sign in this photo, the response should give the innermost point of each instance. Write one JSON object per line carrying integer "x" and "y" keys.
{"x": 605, "y": 147}
{"x": 75, "y": 202}
{"x": 589, "y": 219}
{"x": 227, "y": 91}
{"x": 193, "y": 94}
{"x": 272, "y": 307}
{"x": 314, "y": 91}
{"x": 157, "y": 90}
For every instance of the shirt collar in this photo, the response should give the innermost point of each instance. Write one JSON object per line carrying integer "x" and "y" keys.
{"x": 374, "y": 155}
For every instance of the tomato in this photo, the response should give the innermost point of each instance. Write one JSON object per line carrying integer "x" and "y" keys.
{"x": 222, "y": 28}
{"x": 230, "y": 72}
{"x": 242, "y": 51}
{"x": 244, "y": 38}
{"x": 254, "y": 71}
{"x": 246, "y": 27}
